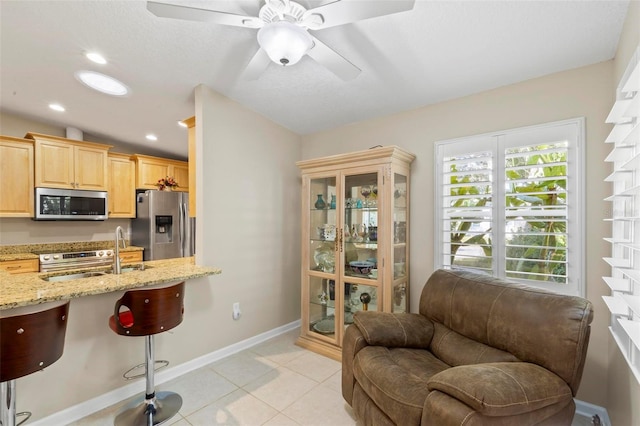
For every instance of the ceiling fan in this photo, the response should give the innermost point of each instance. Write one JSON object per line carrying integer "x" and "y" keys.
{"x": 283, "y": 29}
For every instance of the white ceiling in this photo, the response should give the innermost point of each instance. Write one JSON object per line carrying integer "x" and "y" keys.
{"x": 439, "y": 50}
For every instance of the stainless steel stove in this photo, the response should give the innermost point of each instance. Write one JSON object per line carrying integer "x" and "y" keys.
{"x": 74, "y": 260}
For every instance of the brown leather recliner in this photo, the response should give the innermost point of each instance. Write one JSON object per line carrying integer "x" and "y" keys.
{"x": 482, "y": 351}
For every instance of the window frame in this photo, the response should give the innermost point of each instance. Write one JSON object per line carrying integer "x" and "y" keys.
{"x": 498, "y": 142}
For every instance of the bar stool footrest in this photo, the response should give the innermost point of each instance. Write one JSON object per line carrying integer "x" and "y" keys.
{"x": 163, "y": 363}
{"x": 27, "y": 415}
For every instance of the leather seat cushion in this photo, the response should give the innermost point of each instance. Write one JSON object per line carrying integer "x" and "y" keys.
{"x": 396, "y": 379}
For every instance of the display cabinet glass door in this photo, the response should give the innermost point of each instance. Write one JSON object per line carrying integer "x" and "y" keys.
{"x": 399, "y": 294}
{"x": 362, "y": 202}
{"x": 323, "y": 249}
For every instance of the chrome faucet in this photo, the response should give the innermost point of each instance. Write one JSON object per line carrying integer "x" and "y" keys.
{"x": 117, "y": 261}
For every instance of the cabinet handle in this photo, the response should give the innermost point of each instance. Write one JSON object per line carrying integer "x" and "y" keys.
{"x": 13, "y": 268}
{"x": 341, "y": 237}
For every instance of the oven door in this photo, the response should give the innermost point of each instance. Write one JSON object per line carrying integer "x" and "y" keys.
{"x": 70, "y": 204}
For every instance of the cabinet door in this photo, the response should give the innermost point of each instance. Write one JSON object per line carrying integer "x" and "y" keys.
{"x": 122, "y": 189}
{"x": 16, "y": 170}
{"x": 149, "y": 171}
{"x": 399, "y": 275}
{"x": 181, "y": 174}
{"x": 90, "y": 168}
{"x": 131, "y": 256}
{"x": 362, "y": 230}
{"x": 54, "y": 164}
{"x": 320, "y": 246}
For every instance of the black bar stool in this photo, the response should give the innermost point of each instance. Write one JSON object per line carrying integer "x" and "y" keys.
{"x": 31, "y": 339}
{"x": 146, "y": 312}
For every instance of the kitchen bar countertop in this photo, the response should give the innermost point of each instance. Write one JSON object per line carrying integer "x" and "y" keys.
{"x": 30, "y": 288}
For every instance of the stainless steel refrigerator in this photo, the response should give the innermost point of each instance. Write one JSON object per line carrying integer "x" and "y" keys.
{"x": 162, "y": 225}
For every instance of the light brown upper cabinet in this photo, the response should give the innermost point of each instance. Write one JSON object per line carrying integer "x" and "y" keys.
{"x": 16, "y": 171}
{"x": 121, "y": 186}
{"x": 150, "y": 169}
{"x": 69, "y": 164}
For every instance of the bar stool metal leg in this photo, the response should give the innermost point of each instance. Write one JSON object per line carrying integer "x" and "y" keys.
{"x": 8, "y": 413}
{"x": 154, "y": 408}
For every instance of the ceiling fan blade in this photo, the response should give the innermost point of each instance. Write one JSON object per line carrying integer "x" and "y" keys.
{"x": 342, "y": 12}
{"x": 165, "y": 10}
{"x": 256, "y": 66}
{"x": 333, "y": 61}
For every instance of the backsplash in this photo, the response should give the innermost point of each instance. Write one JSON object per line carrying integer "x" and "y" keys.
{"x": 19, "y": 231}
{"x": 58, "y": 247}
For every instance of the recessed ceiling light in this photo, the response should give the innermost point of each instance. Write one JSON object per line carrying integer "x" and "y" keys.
{"x": 57, "y": 107}
{"x": 182, "y": 124}
{"x": 102, "y": 83}
{"x": 152, "y": 137}
{"x": 96, "y": 57}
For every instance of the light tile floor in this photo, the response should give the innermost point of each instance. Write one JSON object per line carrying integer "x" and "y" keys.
{"x": 275, "y": 383}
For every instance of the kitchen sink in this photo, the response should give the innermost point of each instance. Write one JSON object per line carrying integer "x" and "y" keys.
{"x": 73, "y": 276}
{"x": 89, "y": 274}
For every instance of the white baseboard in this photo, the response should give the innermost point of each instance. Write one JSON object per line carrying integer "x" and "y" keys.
{"x": 93, "y": 405}
{"x": 589, "y": 410}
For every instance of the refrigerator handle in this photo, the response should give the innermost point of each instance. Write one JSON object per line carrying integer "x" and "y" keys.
{"x": 182, "y": 228}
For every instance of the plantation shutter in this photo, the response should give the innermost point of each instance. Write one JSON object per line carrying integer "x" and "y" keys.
{"x": 509, "y": 205}
{"x": 624, "y": 279}
{"x": 467, "y": 207}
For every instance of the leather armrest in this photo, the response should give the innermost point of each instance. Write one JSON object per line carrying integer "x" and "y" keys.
{"x": 394, "y": 330}
{"x": 502, "y": 388}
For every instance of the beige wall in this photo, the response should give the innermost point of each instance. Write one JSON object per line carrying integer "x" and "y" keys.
{"x": 623, "y": 401}
{"x": 580, "y": 92}
{"x": 248, "y": 192}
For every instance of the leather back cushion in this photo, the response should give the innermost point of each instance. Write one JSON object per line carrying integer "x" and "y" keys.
{"x": 455, "y": 349}
{"x": 535, "y": 326}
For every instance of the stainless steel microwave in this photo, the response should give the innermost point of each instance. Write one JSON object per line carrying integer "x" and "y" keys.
{"x": 70, "y": 204}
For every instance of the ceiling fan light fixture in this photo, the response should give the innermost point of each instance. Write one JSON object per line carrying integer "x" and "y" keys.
{"x": 285, "y": 43}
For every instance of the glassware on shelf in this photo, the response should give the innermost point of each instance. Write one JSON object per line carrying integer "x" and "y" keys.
{"x": 320, "y": 204}
{"x": 332, "y": 203}
{"x": 365, "y": 190}
{"x": 324, "y": 258}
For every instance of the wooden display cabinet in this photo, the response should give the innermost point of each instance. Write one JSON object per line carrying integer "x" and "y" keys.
{"x": 355, "y": 248}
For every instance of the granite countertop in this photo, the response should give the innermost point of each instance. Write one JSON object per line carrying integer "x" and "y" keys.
{"x": 30, "y": 288}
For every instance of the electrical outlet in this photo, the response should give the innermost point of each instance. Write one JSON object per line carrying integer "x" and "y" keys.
{"x": 236, "y": 311}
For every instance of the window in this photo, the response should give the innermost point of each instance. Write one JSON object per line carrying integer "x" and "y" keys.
{"x": 509, "y": 204}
